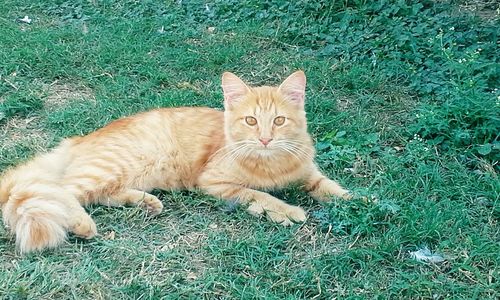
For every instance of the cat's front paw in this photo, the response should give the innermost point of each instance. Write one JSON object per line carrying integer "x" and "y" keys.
{"x": 327, "y": 195}
{"x": 152, "y": 205}
{"x": 347, "y": 195}
{"x": 283, "y": 214}
{"x": 287, "y": 216}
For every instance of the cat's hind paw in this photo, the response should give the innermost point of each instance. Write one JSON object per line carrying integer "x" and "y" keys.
{"x": 83, "y": 226}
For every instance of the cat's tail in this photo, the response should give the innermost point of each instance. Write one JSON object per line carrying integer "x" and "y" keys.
{"x": 37, "y": 221}
{"x": 32, "y": 204}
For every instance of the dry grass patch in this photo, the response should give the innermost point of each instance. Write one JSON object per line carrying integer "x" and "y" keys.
{"x": 485, "y": 9}
{"x": 59, "y": 94}
{"x": 344, "y": 103}
{"x": 23, "y": 131}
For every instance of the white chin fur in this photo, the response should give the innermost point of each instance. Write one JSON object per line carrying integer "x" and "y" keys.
{"x": 264, "y": 151}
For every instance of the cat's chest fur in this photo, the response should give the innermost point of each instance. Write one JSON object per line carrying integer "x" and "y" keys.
{"x": 269, "y": 173}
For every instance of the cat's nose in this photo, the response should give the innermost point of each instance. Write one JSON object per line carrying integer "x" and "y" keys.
{"x": 265, "y": 141}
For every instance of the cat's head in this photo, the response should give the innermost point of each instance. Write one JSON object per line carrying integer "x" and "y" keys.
{"x": 265, "y": 118}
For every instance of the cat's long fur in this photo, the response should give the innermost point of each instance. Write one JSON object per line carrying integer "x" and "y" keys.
{"x": 222, "y": 153}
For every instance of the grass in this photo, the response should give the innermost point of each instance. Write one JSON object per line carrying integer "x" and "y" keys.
{"x": 402, "y": 101}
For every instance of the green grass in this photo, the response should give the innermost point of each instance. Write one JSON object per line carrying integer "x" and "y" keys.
{"x": 403, "y": 102}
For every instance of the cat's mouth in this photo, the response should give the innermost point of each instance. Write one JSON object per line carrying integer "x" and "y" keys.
{"x": 269, "y": 150}
{"x": 265, "y": 151}
{"x": 265, "y": 148}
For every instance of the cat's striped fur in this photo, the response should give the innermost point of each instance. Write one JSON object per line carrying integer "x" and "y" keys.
{"x": 225, "y": 154}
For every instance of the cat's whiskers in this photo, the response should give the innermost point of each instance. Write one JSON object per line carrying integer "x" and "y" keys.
{"x": 299, "y": 146}
{"x": 234, "y": 153}
{"x": 241, "y": 154}
{"x": 289, "y": 151}
{"x": 226, "y": 147}
{"x": 295, "y": 142}
{"x": 301, "y": 150}
{"x": 293, "y": 148}
{"x": 230, "y": 153}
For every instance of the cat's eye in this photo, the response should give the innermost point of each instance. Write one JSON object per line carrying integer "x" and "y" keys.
{"x": 279, "y": 121}
{"x": 251, "y": 121}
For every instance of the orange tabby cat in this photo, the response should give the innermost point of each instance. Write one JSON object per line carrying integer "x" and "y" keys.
{"x": 259, "y": 142}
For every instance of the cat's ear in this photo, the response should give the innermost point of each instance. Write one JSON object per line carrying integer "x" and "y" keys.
{"x": 293, "y": 88}
{"x": 234, "y": 89}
